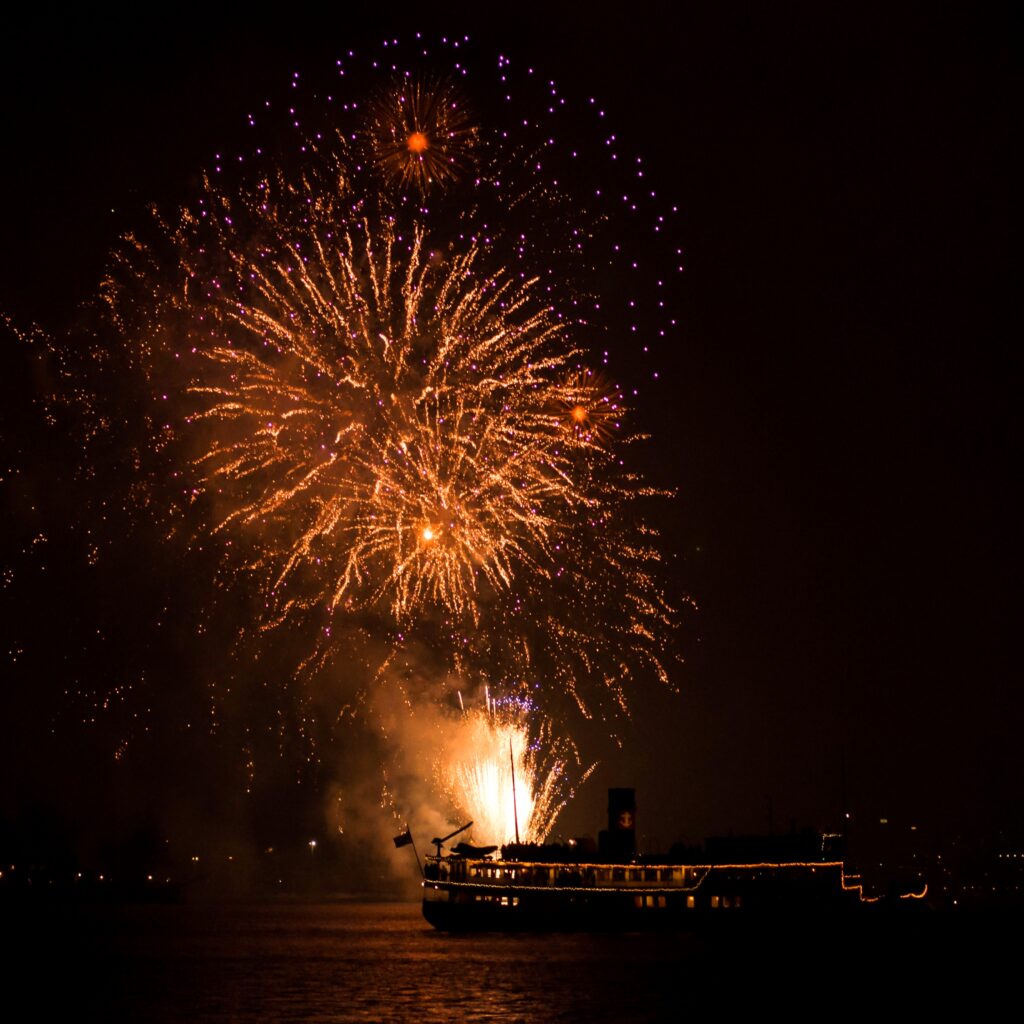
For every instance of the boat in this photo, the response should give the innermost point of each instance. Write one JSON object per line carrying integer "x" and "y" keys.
{"x": 495, "y": 894}
{"x": 537, "y": 888}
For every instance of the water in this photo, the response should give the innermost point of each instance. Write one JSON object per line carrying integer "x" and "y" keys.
{"x": 381, "y": 962}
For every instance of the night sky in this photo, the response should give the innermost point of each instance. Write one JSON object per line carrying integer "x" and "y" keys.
{"x": 835, "y": 415}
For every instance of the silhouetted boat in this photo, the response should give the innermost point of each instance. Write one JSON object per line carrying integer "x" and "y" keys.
{"x": 540, "y": 888}
{"x": 469, "y": 893}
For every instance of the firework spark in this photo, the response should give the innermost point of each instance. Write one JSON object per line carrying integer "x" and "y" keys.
{"x": 509, "y": 785}
{"x": 382, "y": 415}
{"x": 421, "y": 134}
{"x": 594, "y": 407}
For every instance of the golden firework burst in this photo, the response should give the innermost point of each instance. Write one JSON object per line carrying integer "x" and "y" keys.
{"x": 593, "y": 407}
{"x": 374, "y": 415}
{"x": 384, "y": 420}
{"x": 421, "y": 134}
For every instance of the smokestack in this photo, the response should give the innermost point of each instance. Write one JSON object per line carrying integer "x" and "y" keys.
{"x": 619, "y": 842}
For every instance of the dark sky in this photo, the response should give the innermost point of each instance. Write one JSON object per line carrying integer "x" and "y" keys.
{"x": 836, "y": 418}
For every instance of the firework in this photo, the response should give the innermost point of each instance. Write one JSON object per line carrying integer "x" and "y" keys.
{"x": 421, "y": 134}
{"x": 603, "y": 623}
{"x": 386, "y": 416}
{"x": 594, "y": 407}
{"x": 385, "y": 419}
{"x": 509, "y": 785}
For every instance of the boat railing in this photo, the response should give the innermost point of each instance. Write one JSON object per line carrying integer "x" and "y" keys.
{"x": 523, "y": 874}
{"x": 458, "y": 870}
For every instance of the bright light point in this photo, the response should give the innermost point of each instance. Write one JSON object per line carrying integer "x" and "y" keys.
{"x": 428, "y": 534}
{"x": 417, "y": 143}
{"x": 579, "y": 414}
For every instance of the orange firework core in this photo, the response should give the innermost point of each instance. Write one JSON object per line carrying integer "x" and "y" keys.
{"x": 417, "y": 142}
{"x": 579, "y": 414}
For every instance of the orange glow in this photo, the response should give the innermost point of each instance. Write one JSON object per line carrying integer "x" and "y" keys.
{"x": 858, "y": 887}
{"x": 421, "y": 134}
{"x": 417, "y": 142}
{"x": 489, "y": 747}
{"x": 915, "y": 895}
{"x": 428, "y": 534}
{"x": 593, "y": 407}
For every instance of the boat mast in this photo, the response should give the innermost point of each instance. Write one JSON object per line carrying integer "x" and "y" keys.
{"x": 515, "y": 807}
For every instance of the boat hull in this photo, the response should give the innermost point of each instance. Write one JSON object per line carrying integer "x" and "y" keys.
{"x": 480, "y": 897}
{"x": 550, "y": 915}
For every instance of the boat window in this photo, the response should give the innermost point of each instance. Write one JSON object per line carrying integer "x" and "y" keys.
{"x": 689, "y": 902}
{"x": 638, "y": 901}
{"x": 714, "y": 901}
{"x": 661, "y": 902}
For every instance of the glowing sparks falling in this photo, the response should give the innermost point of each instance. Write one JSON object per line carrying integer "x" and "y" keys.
{"x": 385, "y": 417}
{"x": 490, "y": 747}
{"x": 402, "y": 429}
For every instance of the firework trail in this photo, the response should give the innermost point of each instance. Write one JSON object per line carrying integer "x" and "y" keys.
{"x": 396, "y": 420}
{"x": 510, "y": 785}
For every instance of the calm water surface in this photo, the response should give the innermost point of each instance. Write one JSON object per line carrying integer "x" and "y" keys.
{"x": 382, "y": 962}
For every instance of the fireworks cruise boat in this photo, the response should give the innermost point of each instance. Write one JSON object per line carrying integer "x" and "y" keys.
{"x": 543, "y": 888}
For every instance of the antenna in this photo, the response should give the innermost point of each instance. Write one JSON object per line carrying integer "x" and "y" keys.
{"x": 515, "y": 806}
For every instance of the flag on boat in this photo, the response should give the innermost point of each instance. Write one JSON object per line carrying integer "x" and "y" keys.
{"x": 404, "y": 839}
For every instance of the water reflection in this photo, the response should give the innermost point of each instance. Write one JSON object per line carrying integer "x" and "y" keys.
{"x": 381, "y": 962}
